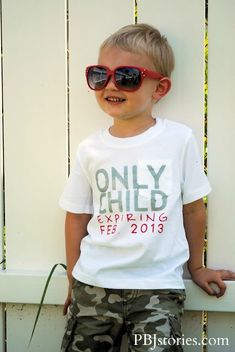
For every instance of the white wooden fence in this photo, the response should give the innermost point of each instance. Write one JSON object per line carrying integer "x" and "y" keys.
{"x": 37, "y": 106}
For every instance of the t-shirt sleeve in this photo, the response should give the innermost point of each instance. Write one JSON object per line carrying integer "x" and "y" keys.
{"x": 77, "y": 195}
{"x": 195, "y": 182}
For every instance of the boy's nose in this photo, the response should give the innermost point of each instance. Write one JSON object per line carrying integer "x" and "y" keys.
{"x": 111, "y": 84}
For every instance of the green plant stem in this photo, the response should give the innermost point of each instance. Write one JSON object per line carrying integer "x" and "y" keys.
{"x": 43, "y": 296}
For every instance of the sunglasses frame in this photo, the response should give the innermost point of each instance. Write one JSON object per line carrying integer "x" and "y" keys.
{"x": 144, "y": 72}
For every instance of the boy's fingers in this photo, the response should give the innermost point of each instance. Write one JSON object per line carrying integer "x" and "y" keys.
{"x": 226, "y": 274}
{"x": 208, "y": 288}
{"x": 65, "y": 308}
{"x": 66, "y": 305}
{"x": 218, "y": 287}
{"x": 222, "y": 288}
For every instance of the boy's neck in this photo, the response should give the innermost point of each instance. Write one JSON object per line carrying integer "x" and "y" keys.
{"x": 129, "y": 128}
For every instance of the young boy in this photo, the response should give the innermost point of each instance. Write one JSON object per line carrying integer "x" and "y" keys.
{"x": 135, "y": 211}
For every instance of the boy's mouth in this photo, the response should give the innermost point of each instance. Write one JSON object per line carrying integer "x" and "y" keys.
{"x": 115, "y": 99}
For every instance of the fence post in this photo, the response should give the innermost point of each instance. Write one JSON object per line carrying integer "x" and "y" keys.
{"x": 221, "y": 167}
{"x": 2, "y": 317}
{"x": 35, "y": 108}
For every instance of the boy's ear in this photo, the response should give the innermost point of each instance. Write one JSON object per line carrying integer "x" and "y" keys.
{"x": 162, "y": 88}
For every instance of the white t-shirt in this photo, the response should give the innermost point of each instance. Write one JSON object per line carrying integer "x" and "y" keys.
{"x": 135, "y": 188}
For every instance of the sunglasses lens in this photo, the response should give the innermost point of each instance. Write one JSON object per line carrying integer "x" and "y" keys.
{"x": 128, "y": 78}
{"x": 97, "y": 77}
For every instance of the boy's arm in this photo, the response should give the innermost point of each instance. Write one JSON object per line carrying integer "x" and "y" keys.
{"x": 75, "y": 230}
{"x": 195, "y": 223}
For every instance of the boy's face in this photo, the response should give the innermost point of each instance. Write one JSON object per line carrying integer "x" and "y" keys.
{"x": 122, "y": 104}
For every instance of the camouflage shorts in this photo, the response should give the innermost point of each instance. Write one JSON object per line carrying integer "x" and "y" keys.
{"x": 98, "y": 318}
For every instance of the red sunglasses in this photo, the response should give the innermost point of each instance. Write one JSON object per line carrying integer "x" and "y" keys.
{"x": 128, "y": 78}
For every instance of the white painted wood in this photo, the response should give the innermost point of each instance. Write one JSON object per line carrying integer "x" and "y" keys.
{"x": 48, "y": 334}
{"x": 2, "y": 323}
{"x": 221, "y": 332}
{"x": 89, "y": 26}
{"x": 35, "y": 130}
{"x": 34, "y": 41}
{"x": 182, "y": 22}
{"x": 197, "y": 299}
{"x": 36, "y": 144}
{"x": 1, "y": 211}
{"x": 191, "y": 330}
{"x": 221, "y": 127}
{"x": 221, "y": 168}
{"x": 27, "y": 287}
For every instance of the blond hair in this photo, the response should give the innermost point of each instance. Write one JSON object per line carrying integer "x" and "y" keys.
{"x": 144, "y": 39}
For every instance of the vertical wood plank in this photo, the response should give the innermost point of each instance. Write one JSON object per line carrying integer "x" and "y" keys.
{"x": 221, "y": 126}
{"x": 35, "y": 131}
{"x": 90, "y": 24}
{"x": 221, "y": 168}
{"x": 192, "y": 329}
{"x": 182, "y": 22}
{"x": 2, "y": 322}
{"x": 49, "y": 332}
{"x": 221, "y": 332}
{"x": 34, "y": 40}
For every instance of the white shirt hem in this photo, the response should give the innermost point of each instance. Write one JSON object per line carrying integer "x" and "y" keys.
{"x": 131, "y": 284}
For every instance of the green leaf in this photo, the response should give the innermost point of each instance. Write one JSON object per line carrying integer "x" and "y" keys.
{"x": 43, "y": 296}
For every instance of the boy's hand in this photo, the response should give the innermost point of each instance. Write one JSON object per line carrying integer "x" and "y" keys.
{"x": 205, "y": 278}
{"x": 68, "y": 300}
{"x": 75, "y": 230}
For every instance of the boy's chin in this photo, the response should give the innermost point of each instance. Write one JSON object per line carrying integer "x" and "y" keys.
{"x": 115, "y": 116}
